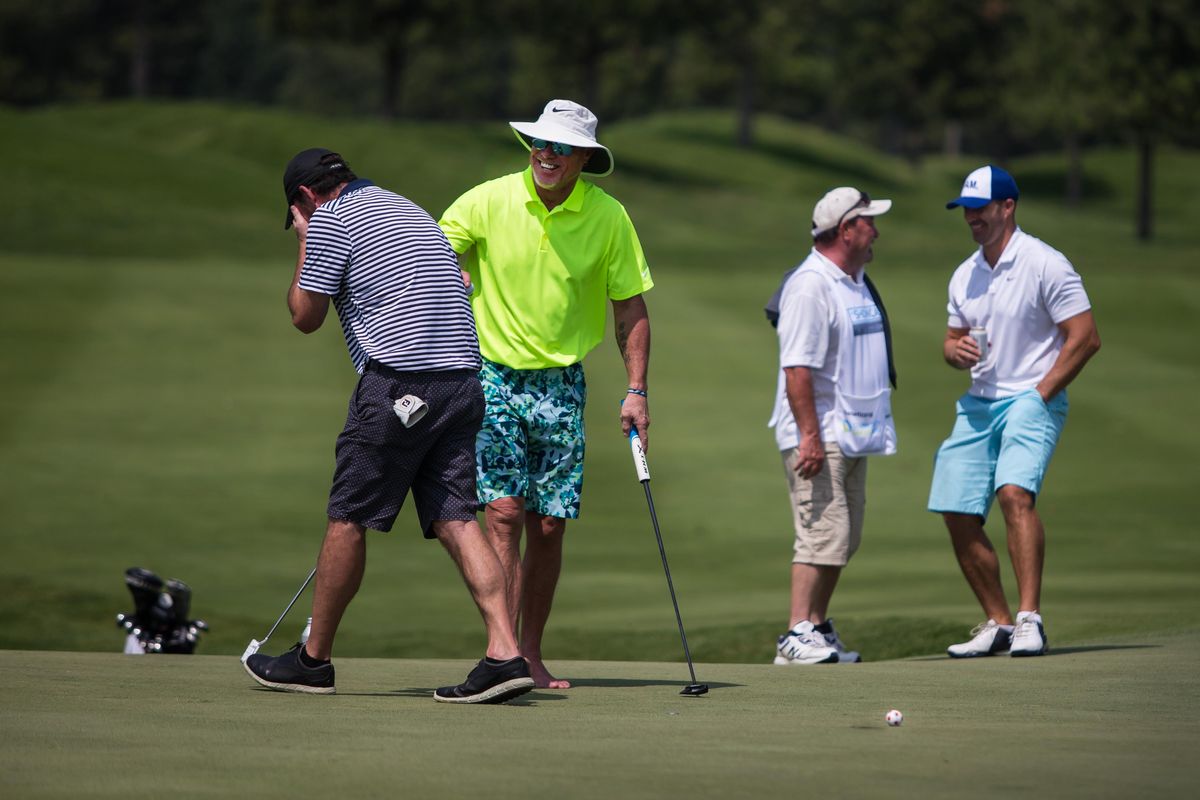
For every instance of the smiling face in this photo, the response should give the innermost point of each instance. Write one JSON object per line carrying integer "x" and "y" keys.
{"x": 557, "y": 173}
{"x": 990, "y": 225}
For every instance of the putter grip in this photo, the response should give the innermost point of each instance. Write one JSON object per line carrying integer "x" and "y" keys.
{"x": 639, "y": 456}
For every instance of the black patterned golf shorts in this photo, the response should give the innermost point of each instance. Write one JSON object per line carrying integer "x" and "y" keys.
{"x": 379, "y": 460}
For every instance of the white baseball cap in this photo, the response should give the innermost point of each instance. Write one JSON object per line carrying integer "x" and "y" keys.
{"x": 567, "y": 122}
{"x": 843, "y": 203}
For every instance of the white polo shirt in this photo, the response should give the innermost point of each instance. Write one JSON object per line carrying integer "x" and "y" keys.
{"x": 812, "y": 332}
{"x": 1032, "y": 289}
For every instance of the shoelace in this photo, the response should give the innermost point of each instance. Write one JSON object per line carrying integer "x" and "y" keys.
{"x": 807, "y": 638}
{"x": 1024, "y": 627}
{"x": 981, "y": 627}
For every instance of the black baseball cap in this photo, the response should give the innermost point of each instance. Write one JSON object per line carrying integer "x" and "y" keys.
{"x": 304, "y": 168}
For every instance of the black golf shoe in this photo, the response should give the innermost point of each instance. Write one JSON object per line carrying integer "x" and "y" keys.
{"x": 286, "y": 673}
{"x": 490, "y": 682}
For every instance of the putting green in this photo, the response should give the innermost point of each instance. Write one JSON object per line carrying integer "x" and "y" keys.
{"x": 1108, "y": 719}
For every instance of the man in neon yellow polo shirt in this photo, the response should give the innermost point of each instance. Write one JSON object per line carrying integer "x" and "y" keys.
{"x": 544, "y": 251}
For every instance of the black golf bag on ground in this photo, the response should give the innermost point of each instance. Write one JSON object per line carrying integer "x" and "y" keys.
{"x": 159, "y": 621}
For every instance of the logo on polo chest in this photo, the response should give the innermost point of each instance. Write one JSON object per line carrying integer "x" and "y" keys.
{"x": 866, "y": 319}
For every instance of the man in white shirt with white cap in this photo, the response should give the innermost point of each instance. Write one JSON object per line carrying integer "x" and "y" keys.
{"x": 832, "y": 409}
{"x": 546, "y": 252}
{"x": 1021, "y": 322}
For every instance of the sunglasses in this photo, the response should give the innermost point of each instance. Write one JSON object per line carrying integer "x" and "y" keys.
{"x": 557, "y": 148}
{"x": 864, "y": 200}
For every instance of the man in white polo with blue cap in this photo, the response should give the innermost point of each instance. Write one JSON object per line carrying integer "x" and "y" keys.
{"x": 546, "y": 251}
{"x": 1021, "y": 322}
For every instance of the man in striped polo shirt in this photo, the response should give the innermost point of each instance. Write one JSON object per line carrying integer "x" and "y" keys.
{"x": 413, "y": 417}
{"x": 546, "y": 251}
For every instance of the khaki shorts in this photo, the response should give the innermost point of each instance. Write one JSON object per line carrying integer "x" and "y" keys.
{"x": 828, "y": 509}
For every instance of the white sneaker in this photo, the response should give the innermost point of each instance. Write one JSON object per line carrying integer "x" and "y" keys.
{"x": 830, "y": 633}
{"x": 987, "y": 639}
{"x": 803, "y": 645}
{"x": 1029, "y": 636}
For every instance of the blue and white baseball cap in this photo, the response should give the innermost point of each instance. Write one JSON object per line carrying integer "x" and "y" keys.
{"x": 985, "y": 185}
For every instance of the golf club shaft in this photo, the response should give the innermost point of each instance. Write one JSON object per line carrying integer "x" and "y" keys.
{"x": 295, "y": 597}
{"x": 670, "y": 584}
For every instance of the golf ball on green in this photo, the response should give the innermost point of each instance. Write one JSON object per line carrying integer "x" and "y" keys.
{"x": 894, "y": 718}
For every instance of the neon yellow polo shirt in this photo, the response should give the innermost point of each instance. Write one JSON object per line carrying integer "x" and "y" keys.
{"x": 542, "y": 278}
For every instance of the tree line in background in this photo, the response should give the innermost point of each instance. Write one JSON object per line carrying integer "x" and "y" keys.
{"x": 910, "y": 76}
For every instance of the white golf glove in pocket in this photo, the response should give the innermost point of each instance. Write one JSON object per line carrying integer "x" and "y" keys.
{"x": 410, "y": 409}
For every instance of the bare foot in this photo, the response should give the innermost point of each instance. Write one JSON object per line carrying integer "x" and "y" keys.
{"x": 542, "y": 678}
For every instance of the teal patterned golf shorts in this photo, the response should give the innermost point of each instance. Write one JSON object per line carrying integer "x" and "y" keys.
{"x": 531, "y": 444}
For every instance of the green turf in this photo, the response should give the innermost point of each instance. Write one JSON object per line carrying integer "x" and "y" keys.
{"x": 1113, "y": 718}
{"x": 159, "y": 410}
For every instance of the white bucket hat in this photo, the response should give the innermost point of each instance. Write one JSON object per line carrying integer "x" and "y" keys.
{"x": 568, "y": 123}
{"x": 842, "y": 204}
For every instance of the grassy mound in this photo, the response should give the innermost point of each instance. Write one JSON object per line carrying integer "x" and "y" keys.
{"x": 160, "y": 411}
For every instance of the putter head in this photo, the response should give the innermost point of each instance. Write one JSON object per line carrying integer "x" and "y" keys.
{"x": 251, "y": 649}
{"x": 695, "y": 690}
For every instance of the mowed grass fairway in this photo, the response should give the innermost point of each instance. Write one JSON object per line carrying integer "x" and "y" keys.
{"x": 1111, "y": 720}
{"x": 158, "y": 410}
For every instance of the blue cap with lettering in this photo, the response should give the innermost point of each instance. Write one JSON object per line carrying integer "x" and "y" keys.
{"x": 985, "y": 185}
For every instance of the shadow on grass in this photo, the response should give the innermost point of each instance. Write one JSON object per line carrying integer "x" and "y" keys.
{"x": 1057, "y": 651}
{"x": 1066, "y": 651}
{"x": 409, "y": 692}
{"x": 542, "y": 694}
{"x": 645, "y": 171}
{"x": 618, "y": 683}
{"x": 426, "y": 693}
{"x": 413, "y": 692}
{"x": 800, "y": 155}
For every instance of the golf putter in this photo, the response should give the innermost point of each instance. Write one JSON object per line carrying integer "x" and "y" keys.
{"x": 693, "y": 689}
{"x": 252, "y": 648}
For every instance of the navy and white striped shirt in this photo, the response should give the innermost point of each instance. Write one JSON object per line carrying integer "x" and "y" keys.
{"x": 394, "y": 280}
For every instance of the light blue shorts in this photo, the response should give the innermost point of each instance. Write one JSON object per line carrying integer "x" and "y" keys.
{"x": 995, "y": 443}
